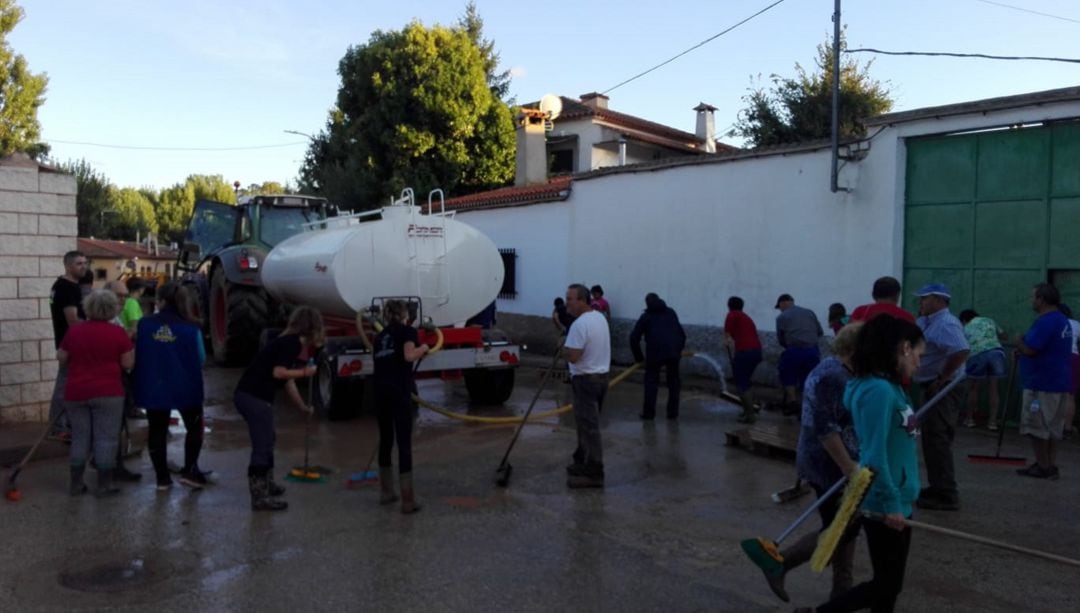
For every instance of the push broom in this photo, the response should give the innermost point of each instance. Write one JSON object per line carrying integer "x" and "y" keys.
{"x": 308, "y": 473}
{"x": 502, "y": 473}
{"x": 997, "y": 458}
{"x": 766, "y": 554}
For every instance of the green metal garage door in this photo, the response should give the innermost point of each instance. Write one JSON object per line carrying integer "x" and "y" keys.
{"x": 991, "y": 214}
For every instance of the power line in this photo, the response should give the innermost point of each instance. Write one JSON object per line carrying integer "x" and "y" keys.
{"x": 702, "y": 43}
{"x": 1022, "y": 9}
{"x": 146, "y": 148}
{"x": 968, "y": 55}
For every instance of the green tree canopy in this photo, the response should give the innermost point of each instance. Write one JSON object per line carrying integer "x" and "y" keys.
{"x": 415, "y": 108}
{"x": 134, "y": 214}
{"x": 176, "y": 203}
{"x": 92, "y": 199}
{"x": 800, "y": 109}
{"x": 21, "y": 93}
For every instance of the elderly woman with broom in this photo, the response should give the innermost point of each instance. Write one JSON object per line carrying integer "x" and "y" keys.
{"x": 887, "y": 352}
{"x": 827, "y": 451}
{"x": 273, "y": 368}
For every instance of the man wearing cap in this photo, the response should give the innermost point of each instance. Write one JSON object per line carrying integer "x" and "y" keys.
{"x": 946, "y": 351}
{"x": 798, "y": 331}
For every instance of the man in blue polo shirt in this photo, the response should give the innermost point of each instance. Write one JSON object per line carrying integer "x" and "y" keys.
{"x": 1045, "y": 354}
{"x": 946, "y": 351}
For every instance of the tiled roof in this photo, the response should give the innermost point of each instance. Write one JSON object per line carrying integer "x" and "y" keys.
{"x": 101, "y": 248}
{"x": 575, "y": 109}
{"x": 557, "y": 188}
{"x": 1049, "y": 96}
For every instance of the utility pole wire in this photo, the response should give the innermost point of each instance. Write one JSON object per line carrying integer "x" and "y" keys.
{"x": 146, "y": 148}
{"x": 968, "y": 55}
{"x": 1022, "y": 9}
{"x": 702, "y": 43}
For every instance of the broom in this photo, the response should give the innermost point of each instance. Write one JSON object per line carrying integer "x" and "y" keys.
{"x": 980, "y": 539}
{"x": 830, "y": 537}
{"x": 997, "y": 458}
{"x": 766, "y": 554}
{"x": 307, "y": 473}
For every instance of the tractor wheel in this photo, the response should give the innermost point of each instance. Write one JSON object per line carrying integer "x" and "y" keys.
{"x": 238, "y": 315}
{"x": 336, "y": 398}
{"x": 489, "y": 386}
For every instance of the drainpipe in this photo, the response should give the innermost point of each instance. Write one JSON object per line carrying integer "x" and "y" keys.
{"x": 622, "y": 151}
{"x": 835, "y": 170}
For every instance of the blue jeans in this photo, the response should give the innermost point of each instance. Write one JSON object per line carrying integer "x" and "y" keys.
{"x": 796, "y": 364}
{"x": 95, "y": 426}
{"x": 259, "y": 415}
{"x": 743, "y": 364}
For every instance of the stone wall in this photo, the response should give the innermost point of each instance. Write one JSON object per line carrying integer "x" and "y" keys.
{"x": 37, "y": 226}
{"x": 540, "y": 336}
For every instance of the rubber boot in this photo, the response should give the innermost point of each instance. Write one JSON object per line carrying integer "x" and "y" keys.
{"x": 259, "y": 485}
{"x": 408, "y": 495}
{"x": 77, "y": 487}
{"x": 276, "y": 489}
{"x": 105, "y": 485}
{"x": 386, "y": 481}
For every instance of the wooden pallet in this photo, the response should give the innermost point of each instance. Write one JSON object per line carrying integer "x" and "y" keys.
{"x": 766, "y": 439}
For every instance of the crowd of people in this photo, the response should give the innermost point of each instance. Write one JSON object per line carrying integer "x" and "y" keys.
{"x": 855, "y": 406}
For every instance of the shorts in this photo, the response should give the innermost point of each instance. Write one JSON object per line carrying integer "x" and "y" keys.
{"x": 1049, "y": 421}
{"x": 743, "y": 364}
{"x": 796, "y": 364}
{"x": 989, "y": 364}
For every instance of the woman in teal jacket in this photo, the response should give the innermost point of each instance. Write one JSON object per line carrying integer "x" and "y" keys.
{"x": 887, "y": 352}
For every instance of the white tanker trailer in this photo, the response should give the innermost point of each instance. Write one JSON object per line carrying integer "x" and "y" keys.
{"x": 349, "y": 265}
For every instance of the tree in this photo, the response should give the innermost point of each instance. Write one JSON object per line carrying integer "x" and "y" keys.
{"x": 800, "y": 109}
{"x": 91, "y": 199}
{"x": 473, "y": 25}
{"x": 134, "y": 216}
{"x": 267, "y": 187}
{"x": 415, "y": 109}
{"x": 176, "y": 203}
{"x": 21, "y": 93}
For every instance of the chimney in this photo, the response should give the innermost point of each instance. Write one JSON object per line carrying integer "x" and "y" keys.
{"x": 594, "y": 100}
{"x": 531, "y": 148}
{"x": 706, "y": 126}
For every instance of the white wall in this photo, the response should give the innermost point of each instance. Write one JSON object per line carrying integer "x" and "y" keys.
{"x": 539, "y": 234}
{"x": 755, "y": 227}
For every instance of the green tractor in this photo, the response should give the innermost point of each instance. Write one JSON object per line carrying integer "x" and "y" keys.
{"x": 223, "y": 251}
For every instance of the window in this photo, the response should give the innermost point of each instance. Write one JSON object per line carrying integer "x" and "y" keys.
{"x": 100, "y": 273}
{"x": 509, "y": 286}
{"x": 561, "y": 161}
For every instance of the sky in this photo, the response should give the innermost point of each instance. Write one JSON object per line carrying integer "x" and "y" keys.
{"x": 237, "y": 74}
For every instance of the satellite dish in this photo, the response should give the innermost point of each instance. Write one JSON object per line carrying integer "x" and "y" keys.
{"x": 551, "y": 105}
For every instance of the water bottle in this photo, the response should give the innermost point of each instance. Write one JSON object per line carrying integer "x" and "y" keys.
{"x": 1034, "y": 406}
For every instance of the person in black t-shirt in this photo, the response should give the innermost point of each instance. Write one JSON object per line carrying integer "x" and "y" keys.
{"x": 65, "y": 306}
{"x": 396, "y": 349}
{"x": 273, "y": 368}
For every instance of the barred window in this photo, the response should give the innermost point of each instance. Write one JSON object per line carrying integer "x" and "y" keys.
{"x": 509, "y": 285}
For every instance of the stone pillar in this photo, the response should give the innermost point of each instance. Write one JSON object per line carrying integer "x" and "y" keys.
{"x": 37, "y": 226}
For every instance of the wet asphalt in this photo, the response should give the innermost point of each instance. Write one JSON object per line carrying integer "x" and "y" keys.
{"x": 663, "y": 535}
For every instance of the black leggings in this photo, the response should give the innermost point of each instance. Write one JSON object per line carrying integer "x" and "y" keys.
{"x": 888, "y": 555}
{"x": 158, "y": 438}
{"x": 395, "y": 413}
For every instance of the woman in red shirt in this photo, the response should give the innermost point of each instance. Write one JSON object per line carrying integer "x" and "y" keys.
{"x": 95, "y": 353}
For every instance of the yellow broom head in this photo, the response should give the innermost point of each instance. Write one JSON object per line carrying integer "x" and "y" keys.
{"x": 858, "y": 484}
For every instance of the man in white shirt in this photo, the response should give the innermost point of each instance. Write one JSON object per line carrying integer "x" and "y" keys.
{"x": 588, "y": 354}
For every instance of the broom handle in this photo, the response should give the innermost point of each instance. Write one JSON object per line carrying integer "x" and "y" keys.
{"x": 810, "y": 510}
{"x": 839, "y": 484}
{"x": 536, "y": 396}
{"x": 981, "y": 539}
{"x": 1005, "y": 405}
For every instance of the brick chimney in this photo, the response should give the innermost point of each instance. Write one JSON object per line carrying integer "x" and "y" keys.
{"x": 531, "y": 148}
{"x": 706, "y": 126}
{"x": 595, "y": 100}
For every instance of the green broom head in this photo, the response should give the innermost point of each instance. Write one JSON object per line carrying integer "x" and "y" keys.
{"x": 765, "y": 555}
{"x": 854, "y": 492}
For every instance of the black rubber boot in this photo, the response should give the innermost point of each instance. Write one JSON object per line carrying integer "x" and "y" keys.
{"x": 77, "y": 487}
{"x": 105, "y": 487}
{"x": 276, "y": 489}
{"x": 260, "y": 494}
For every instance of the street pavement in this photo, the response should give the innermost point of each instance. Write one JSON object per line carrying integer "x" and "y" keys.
{"x": 663, "y": 535}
